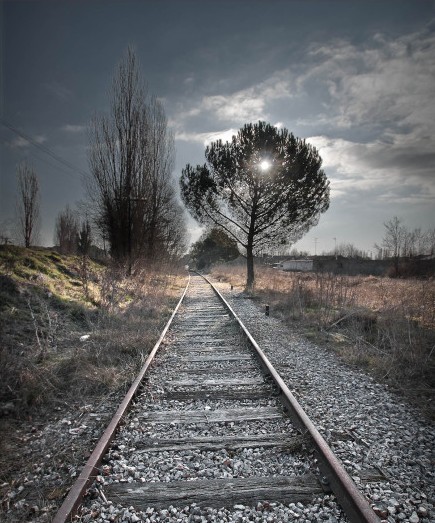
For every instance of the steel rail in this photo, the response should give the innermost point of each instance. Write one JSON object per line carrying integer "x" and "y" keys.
{"x": 74, "y": 498}
{"x": 355, "y": 505}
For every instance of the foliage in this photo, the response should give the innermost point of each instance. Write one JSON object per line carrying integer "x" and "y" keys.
{"x": 213, "y": 246}
{"x": 400, "y": 242}
{"x": 347, "y": 250}
{"x": 264, "y": 188}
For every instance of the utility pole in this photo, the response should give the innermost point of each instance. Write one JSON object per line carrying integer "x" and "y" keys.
{"x": 315, "y": 246}
{"x": 335, "y": 247}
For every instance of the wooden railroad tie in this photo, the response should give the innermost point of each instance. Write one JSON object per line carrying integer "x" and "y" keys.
{"x": 215, "y": 493}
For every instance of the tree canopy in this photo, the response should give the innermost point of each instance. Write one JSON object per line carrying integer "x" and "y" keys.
{"x": 264, "y": 188}
{"x": 213, "y": 246}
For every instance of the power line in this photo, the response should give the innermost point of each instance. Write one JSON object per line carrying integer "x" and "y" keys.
{"x": 43, "y": 148}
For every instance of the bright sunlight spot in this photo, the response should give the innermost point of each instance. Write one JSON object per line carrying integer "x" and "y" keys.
{"x": 265, "y": 165}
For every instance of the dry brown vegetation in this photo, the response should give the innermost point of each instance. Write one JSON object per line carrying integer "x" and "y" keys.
{"x": 385, "y": 325}
{"x": 59, "y": 341}
{"x": 69, "y": 342}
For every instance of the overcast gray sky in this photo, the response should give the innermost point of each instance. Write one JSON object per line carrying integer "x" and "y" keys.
{"x": 355, "y": 78}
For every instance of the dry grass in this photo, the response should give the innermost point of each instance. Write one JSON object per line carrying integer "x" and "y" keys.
{"x": 63, "y": 349}
{"x": 385, "y": 325}
{"x": 60, "y": 343}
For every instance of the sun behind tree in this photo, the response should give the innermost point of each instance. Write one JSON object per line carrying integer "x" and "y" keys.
{"x": 264, "y": 188}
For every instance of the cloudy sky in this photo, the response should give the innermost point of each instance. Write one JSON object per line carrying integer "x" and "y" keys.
{"x": 354, "y": 78}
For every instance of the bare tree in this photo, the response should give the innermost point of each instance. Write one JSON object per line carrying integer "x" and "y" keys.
{"x": 116, "y": 160}
{"x": 417, "y": 242}
{"x": 394, "y": 241}
{"x": 66, "y": 231}
{"x": 172, "y": 237}
{"x": 429, "y": 242}
{"x": 400, "y": 241}
{"x": 28, "y": 204}
{"x": 84, "y": 241}
{"x": 347, "y": 250}
{"x": 160, "y": 162}
{"x": 131, "y": 159}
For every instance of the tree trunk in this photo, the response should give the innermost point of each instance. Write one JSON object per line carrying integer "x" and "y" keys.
{"x": 249, "y": 268}
{"x": 250, "y": 245}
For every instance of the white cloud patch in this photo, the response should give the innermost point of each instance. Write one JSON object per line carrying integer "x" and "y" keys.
{"x": 206, "y": 138}
{"x": 237, "y": 108}
{"x": 374, "y": 168}
{"x": 20, "y": 142}
{"x": 249, "y": 104}
{"x": 74, "y": 129}
{"x": 385, "y": 89}
{"x": 385, "y": 83}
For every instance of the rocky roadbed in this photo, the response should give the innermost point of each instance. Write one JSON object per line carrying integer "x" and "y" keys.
{"x": 366, "y": 426}
{"x": 41, "y": 459}
{"x": 203, "y": 330}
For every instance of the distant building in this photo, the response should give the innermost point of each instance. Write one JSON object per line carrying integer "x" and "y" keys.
{"x": 297, "y": 265}
{"x": 417, "y": 266}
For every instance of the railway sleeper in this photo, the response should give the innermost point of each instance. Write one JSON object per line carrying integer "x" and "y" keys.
{"x": 216, "y": 493}
{"x": 241, "y": 393}
{"x": 212, "y": 416}
{"x": 290, "y": 444}
{"x": 218, "y": 427}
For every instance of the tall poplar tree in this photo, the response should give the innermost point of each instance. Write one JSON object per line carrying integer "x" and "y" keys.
{"x": 28, "y": 204}
{"x": 131, "y": 160}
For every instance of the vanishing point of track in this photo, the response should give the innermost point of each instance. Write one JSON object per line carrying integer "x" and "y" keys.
{"x": 213, "y": 390}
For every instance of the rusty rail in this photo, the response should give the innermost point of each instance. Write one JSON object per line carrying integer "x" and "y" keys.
{"x": 355, "y": 505}
{"x": 74, "y": 498}
{"x": 351, "y": 499}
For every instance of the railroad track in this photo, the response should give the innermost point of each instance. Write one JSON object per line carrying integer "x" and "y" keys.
{"x": 212, "y": 433}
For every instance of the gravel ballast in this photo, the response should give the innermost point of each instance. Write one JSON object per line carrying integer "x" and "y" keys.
{"x": 366, "y": 425}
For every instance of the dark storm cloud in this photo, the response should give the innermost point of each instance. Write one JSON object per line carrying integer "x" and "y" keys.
{"x": 354, "y": 78}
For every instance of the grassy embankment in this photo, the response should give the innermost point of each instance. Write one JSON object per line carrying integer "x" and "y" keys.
{"x": 61, "y": 344}
{"x": 65, "y": 350}
{"x": 386, "y": 326}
